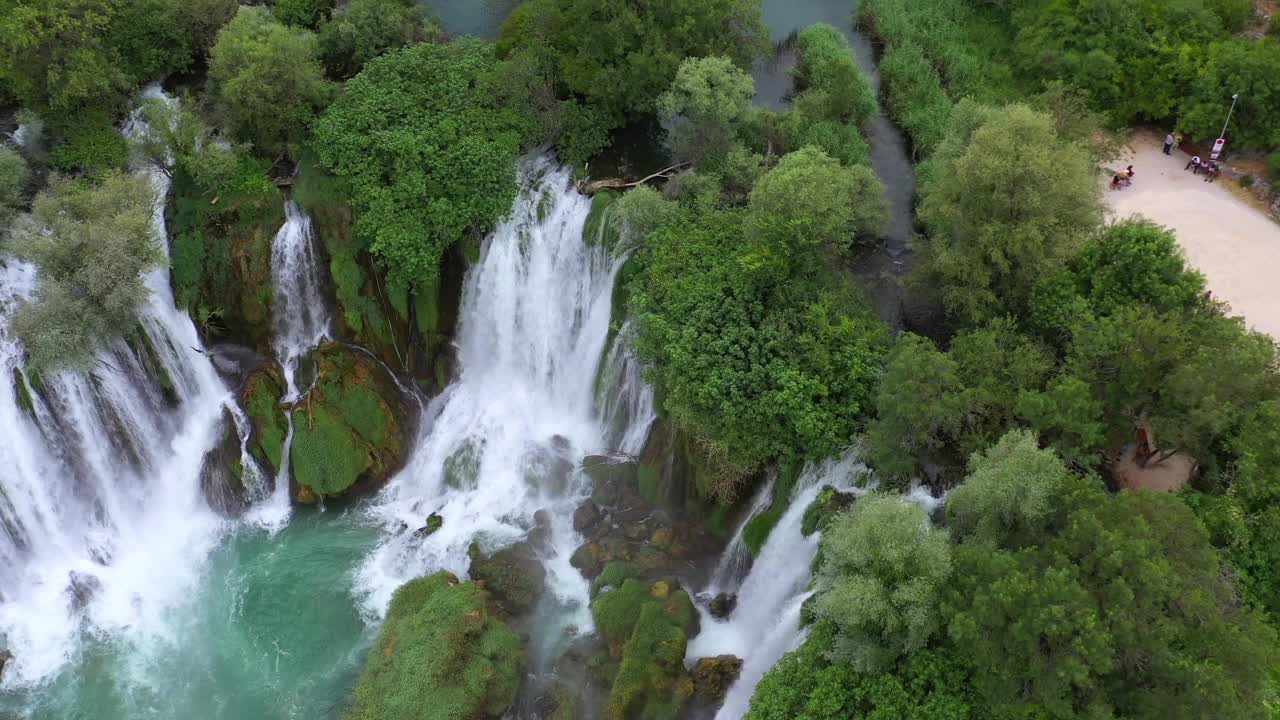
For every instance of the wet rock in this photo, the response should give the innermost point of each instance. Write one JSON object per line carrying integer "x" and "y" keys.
{"x": 549, "y": 468}
{"x": 713, "y": 676}
{"x": 608, "y": 476}
{"x": 434, "y": 522}
{"x": 462, "y": 468}
{"x": 589, "y": 559}
{"x": 513, "y": 576}
{"x": 5, "y": 657}
{"x": 260, "y": 398}
{"x": 540, "y": 534}
{"x": 723, "y": 605}
{"x": 586, "y": 516}
{"x": 223, "y": 473}
{"x": 81, "y": 588}
{"x": 825, "y": 507}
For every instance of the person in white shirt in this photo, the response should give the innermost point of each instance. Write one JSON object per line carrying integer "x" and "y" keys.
{"x": 1194, "y": 165}
{"x": 1168, "y": 144}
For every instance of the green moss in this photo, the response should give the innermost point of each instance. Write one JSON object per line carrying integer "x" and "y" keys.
{"x": 151, "y": 360}
{"x": 615, "y": 573}
{"x": 439, "y": 656}
{"x": 325, "y": 455}
{"x": 761, "y": 524}
{"x": 648, "y": 483}
{"x": 651, "y": 622}
{"x": 598, "y": 228}
{"x": 462, "y": 468}
{"x": 23, "y": 394}
{"x": 426, "y": 306}
{"x": 471, "y": 248}
{"x": 825, "y": 507}
{"x": 363, "y": 411}
{"x": 261, "y": 401}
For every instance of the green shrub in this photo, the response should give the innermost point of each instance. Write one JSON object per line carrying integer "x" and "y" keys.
{"x": 302, "y": 13}
{"x": 1246, "y": 181}
{"x": 91, "y": 145}
{"x": 1273, "y": 167}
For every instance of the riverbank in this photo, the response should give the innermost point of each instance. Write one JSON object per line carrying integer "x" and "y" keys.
{"x": 1235, "y": 245}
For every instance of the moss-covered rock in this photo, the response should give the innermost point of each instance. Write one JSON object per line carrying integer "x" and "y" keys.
{"x": 513, "y": 576}
{"x": 440, "y": 655}
{"x": 825, "y": 507}
{"x": 22, "y": 393}
{"x": 221, "y": 258}
{"x": 646, "y": 627}
{"x": 713, "y": 676}
{"x": 260, "y": 398}
{"x": 756, "y": 532}
{"x": 352, "y": 429}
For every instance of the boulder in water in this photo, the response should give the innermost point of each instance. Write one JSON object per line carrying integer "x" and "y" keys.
{"x": 586, "y": 516}
{"x": 723, "y": 605}
{"x": 260, "y": 398}
{"x": 434, "y": 522}
{"x": 513, "y": 576}
{"x": 81, "y": 588}
{"x": 608, "y": 476}
{"x": 352, "y": 430}
{"x": 540, "y": 534}
{"x": 222, "y": 474}
{"x": 462, "y": 468}
{"x": 646, "y": 627}
{"x": 439, "y": 647}
{"x": 5, "y": 657}
{"x": 825, "y": 507}
{"x": 713, "y": 676}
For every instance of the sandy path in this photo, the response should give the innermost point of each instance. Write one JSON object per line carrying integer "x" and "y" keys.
{"x": 1236, "y": 246}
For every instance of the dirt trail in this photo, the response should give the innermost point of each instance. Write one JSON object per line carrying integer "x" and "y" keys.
{"x": 1235, "y": 245}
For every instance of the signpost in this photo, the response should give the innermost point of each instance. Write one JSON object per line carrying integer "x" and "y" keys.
{"x": 1217, "y": 148}
{"x": 1222, "y": 136}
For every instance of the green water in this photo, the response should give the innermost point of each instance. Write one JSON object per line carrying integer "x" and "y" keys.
{"x": 273, "y": 633}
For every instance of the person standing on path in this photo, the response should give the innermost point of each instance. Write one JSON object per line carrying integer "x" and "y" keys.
{"x": 1168, "y": 144}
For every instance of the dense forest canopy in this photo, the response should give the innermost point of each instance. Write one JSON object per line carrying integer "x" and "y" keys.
{"x": 1050, "y": 338}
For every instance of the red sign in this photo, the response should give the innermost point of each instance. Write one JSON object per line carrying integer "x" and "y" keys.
{"x": 1217, "y": 148}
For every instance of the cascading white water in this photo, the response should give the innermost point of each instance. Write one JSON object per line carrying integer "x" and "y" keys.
{"x": 102, "y": 484}
{"x": 736, "y": 556}
{"x": 504, "y": 439}
{"x": 766, "y": 623}
{"x": 625, "y": 399}
{"x": 301, "y": 322}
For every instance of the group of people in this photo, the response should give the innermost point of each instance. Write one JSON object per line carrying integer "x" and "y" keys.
{"x": 1210, "y": 169}
{"x": 1122, "y": 179}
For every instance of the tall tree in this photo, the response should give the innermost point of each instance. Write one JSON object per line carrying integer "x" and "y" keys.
{"x": 268, "y": 81}
{"x": 1010, "y": 202}
{"x": 429, "y": 151}
{"x": 91, "y": 244}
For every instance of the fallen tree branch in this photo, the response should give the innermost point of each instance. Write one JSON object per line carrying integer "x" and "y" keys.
{"x": 595, "y": 186}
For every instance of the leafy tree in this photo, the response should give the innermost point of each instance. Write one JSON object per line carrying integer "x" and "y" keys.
{"x": 706, "y": 99}
{"x": 1068, "y": 416}
{"x": 153, "y": 38}
{"x": 427, "y": 150}
{"x": 1120, "y": 610}
{"x": 623, "y": 55}
{"x": 91, "y": 244}
{"x": 302, "y": 13}
{"x": 172, "y": 134}
{"x": 883, "y": 569}
{"x": 996, "y": 365}
{"x": 641, "y": 211}
{"x": 89, "y": 143}
{"x": 810, "y": 200}
{"x": 14, "y": 176}
{"x": 55, "y": 54}
{"x": 926, "y": 685}
{"x": 1010, "y": 202}
{"x": 1249, "y": 69}
{"x": 918, "y": 408}
{"x": 268, "y": 82}
{"x": 1010, "y": 491}
{"x": 364, "y": 29}
{"x": 761, "y": 358}
{"x": 1130, "y": 262}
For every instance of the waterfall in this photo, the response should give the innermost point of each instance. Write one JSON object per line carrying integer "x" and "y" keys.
{"x": 504, "y": 440}
{"x": 766, "y": 623}
{"x": 103, "y": 521}
{"x": 736, "y": 558}
{"x": 300, "y": 319}
{"x": 300, "y": 322}
{"x": 625, "y": 399}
